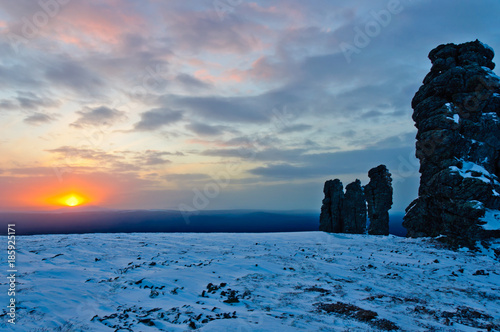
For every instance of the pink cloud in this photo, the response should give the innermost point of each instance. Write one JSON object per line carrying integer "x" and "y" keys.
{"x": 227, "y": 76}
{"x": 91, "y": 23}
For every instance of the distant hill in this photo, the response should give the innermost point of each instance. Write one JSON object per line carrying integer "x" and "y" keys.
{"x": 128, "y": 221}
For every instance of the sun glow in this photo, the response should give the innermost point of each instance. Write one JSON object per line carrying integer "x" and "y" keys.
{"x": 72, "y": 193}
{"x": 72, "y": 201}
{"x": 69, "y": 199}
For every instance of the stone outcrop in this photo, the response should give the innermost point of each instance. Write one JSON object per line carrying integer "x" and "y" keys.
{"x": 456, "y": 112}
{"x": 378, "y": 195}
{"x": 354, "y": 209}
{"x": 330, "y": 218}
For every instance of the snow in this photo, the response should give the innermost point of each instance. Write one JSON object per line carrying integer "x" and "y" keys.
{"x": 469, "y": 167}
{"x": 491, "y": 116}
{"x": 492, "y": 219}
{"x": 487, "y": 47}
{"x": 475, "y": 142}
{"x": 455, "y": 117}
{"x": 490, "y": 73}
{"x": 155, "y": 282}
{"x": 477, "y": 204}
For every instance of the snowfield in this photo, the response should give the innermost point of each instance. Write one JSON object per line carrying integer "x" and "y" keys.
{"x": 309, "y": 281}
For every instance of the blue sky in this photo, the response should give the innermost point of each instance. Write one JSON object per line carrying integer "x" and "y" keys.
{"x": 226, "y": 104}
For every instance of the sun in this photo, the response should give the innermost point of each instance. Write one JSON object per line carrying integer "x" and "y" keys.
{"x": 72, "y": 201}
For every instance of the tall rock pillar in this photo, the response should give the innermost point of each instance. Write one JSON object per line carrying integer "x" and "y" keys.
{"x": 378, "y": 195}
{"x": 456, "y": 112}
{"x": 354, "y": 209}
{"x": 330, "y": 219}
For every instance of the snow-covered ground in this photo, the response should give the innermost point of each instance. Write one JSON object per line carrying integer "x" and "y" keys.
{"x": 309, "y": 281}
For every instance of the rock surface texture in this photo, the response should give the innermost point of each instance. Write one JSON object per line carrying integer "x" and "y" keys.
{"x": 330, "y": 219}
{"x": 354, "y": 209}
{"x": 378, "y": 195}
{"x": 456, "y": 112}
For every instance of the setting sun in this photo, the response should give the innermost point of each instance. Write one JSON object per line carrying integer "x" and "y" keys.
{"x": 72, "y": 201}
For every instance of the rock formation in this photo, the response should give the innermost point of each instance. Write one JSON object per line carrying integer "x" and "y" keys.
{"x": 330, "y": 219}
{"x": 378, "y": 195}
{"x": 343, "y": 213}
{"x": 354, "y": 209}
{"x": 456, "y": 112}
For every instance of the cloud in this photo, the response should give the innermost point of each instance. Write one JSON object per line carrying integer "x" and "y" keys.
{"x": 285, "y": 171}
{"x": 337, "y": 163}
{"x": 223, "y": 109}
{"x": 253, "y": 153}
{"x": 8, "y": 105}
{"x": 40, "y": 118}
{"x": 187, "y": 177}
{"x": 157, "y": 118}
{"x": 115, "y": 158}
{"x": 99, "y": 116}
{"x": 70, "y": 158}
{"x": 71, "y": 155}
{"x": 20, "y": 76}
{"x": 295, "y": 128}
{"x": 396, "y": 141}
{"x": 153, "y": 158}
{"x": 201, "y": 31}
{"x": 66, "y": 72}
{"x": 28, "y": 101}
{"x": 32, "y": 171}
{"x": 203, "y": 129}
{"x": 262, "y": 141}
{"x": 192, "y": 83}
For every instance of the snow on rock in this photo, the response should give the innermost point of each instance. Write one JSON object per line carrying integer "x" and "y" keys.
{"x": 488, "y": 47}
{"x": 472, "y": 170}
{"x": 490, "y": 73}
{"x": 452, "y": 116}
{"x": 492, "y": 219}
{"x": 310, "y": 281}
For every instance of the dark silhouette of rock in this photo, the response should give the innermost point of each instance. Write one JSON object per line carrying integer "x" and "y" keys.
{"x": 378, "y": 195}
{"x": 354, "y": 209}
{"x": 330, "y": 219}
{"x": 456, "y": 112}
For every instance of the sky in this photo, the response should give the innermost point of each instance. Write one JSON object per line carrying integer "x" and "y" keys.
{"x": 225, "y": 104}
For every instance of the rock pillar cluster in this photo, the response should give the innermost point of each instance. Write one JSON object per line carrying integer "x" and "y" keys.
{"x": 347, "y": 212}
